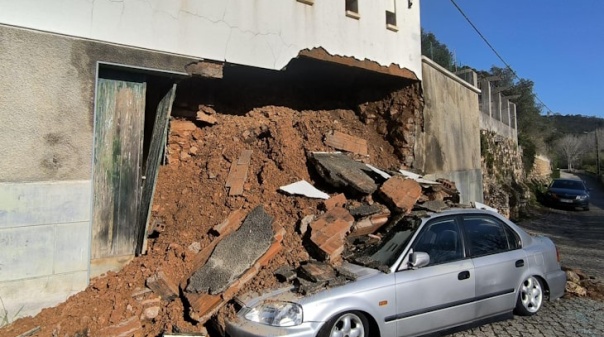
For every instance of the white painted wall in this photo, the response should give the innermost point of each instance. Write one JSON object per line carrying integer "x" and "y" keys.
{"x": 261, "y": 33}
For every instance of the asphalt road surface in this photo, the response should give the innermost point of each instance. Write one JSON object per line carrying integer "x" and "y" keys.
{"x": 580, "y": 237}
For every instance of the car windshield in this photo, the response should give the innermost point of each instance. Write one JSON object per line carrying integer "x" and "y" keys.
{"x": 384, "y": 253}
{"x": 568, "y": 184}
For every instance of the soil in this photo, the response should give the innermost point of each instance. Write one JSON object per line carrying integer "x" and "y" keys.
{"x": 191, "y": 198}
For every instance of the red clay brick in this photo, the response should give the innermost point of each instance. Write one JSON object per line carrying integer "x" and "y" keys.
{"x": 127, "y": 328}
{"x": 163, "y": 286}
{"x": 230, "y": 224}
{"x": 204, "y": 117}
{"x": 401, "y": 193}
{"x": 329, "y": 230}
{"x": 342, "y": 141}
{"x": 202, "y": 304}
{"x": 335, "y": 201}
{"x": 238, "y": 173}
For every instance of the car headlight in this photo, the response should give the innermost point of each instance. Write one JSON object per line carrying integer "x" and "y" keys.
{"x": 276, "y": 313}
{"x": 581, "y": 197}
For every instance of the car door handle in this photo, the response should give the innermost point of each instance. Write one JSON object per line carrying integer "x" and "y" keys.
{"x": 519, "y": 263}
{"x": 464, "y": 275}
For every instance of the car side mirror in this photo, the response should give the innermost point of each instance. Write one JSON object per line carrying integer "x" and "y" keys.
{"x": 418, "y": 260}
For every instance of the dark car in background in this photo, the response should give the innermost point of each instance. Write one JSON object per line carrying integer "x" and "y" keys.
{"x": 567, "y": 193}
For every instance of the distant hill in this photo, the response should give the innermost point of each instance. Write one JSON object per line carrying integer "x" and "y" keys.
{"x": 574, "y": 124}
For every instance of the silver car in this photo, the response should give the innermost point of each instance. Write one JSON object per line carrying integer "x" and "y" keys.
{"x": 433, "y": 273}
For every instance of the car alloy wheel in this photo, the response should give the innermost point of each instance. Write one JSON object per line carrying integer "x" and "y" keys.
{"x": 350, "y": 324}
{"x": 530, "y": 297}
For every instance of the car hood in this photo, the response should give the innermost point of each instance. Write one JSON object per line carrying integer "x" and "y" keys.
{"x": 566, "y": 191}
{"x": 288, "y": 294}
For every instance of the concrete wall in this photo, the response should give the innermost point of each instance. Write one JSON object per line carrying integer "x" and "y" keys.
{"x": 261, "y": 33}
{"x": 46, "y": 132}
{"x": 44, "y": 243}
{"x": 449, "y": 146}
{"x": 489, "y": 123}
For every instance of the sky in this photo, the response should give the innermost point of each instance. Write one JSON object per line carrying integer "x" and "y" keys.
{"x": 559, "y": 45}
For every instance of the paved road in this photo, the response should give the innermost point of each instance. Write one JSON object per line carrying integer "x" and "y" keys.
{"x": 580, "y": 237}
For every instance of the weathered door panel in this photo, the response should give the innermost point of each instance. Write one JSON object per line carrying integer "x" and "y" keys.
{"x": 120, "y": 111}
{"x": 158, "y": 141}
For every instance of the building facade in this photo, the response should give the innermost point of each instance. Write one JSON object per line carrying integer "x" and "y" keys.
{"x": 86, "y": 90}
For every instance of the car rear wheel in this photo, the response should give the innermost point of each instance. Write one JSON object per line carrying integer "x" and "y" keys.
{"x": 530, "y": 297}
{"x": 348, "y": 324}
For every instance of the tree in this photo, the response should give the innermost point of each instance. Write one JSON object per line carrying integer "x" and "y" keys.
{"x": 571, "y": 147}
{"x": 437, "y": 51}
{"x": 533, "y": 129}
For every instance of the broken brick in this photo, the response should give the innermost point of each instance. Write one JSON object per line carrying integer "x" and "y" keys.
{"x": 370, "y": 225}
{"x": 317, "y": 271}
{"x": 286, "y": 274}
{"x": 434, "y": 205}
{"x": 238, "y": 173}
{"x": 182, "y": 128}
{"x": 401, "y": 193}
{"x": 204, "y": 117}
{"x": 127, "y": 328}
{"x": 205, "y": 69}
{"x": 328, "y": 232}
{"x": 338, "y": 200}
{"x": 163, "y": 286}
{"x": 230, "y": 224}
{"x": 342, "y": 141}
{"x": 200, "y": 304}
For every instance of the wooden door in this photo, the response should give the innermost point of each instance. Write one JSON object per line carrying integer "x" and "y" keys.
{"x": 119, "y": 129}
{"x": 156, "y": 150}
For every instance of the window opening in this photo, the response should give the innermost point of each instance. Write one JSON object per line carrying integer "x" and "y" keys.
{"x": 352, "y": 9}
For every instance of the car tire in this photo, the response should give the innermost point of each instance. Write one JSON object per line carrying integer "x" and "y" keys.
{"x": 530, "y": 297}
{"x": 586, "y": 208}
{"x": 351, "y": 323}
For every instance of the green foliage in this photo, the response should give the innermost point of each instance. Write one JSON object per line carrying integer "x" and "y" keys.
{"x": 485, "y": 152}
{"x": 555, "y": 173}
{"x": 437, "y": 51}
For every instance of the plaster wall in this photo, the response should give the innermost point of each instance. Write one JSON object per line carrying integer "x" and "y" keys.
{"x": 449, "y": 145}
{"x": 46, "y": 132}
{"x": 260, "y": 33}
{"x": 47, "y": 103}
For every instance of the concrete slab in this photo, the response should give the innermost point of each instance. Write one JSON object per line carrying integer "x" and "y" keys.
{"x": 27, "y": 297}
{"x": 26, "y": 252}
{"x": 27, "y": 204}
{"x": 342, "y": 171}
{"x": 71, "y": 247}
{"x": 235, "y": 254}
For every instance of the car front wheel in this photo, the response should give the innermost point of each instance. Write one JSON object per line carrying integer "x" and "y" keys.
{"x": 350, "y": 324}
{"x": 530, "y": 297}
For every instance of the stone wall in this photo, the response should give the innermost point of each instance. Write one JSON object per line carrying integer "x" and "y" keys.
{"x": 503, "y": 174}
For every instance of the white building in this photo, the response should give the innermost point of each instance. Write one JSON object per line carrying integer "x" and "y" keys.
{"x": 66, "y": 64}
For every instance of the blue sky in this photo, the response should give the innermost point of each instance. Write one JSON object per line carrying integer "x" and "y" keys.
{"x": 559, "y": 45}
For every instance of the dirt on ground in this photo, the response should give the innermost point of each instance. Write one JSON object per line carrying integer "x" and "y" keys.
{"x": 191, "y": 198}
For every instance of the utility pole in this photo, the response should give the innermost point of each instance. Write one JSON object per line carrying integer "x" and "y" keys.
{"x": 597, "y": 155}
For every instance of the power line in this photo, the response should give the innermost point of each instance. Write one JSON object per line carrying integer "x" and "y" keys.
{"x": 495, "y": 51}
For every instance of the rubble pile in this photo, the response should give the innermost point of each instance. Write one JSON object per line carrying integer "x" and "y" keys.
{"x": 244, "y": 203}
{"x": 580, "y": 284}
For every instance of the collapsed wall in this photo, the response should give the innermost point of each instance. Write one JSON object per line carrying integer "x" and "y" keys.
{"x": 280, "y": 121}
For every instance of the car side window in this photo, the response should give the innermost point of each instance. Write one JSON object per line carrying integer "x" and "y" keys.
{"x": 488, "y": 236}
{"x": 441, "y": 239}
